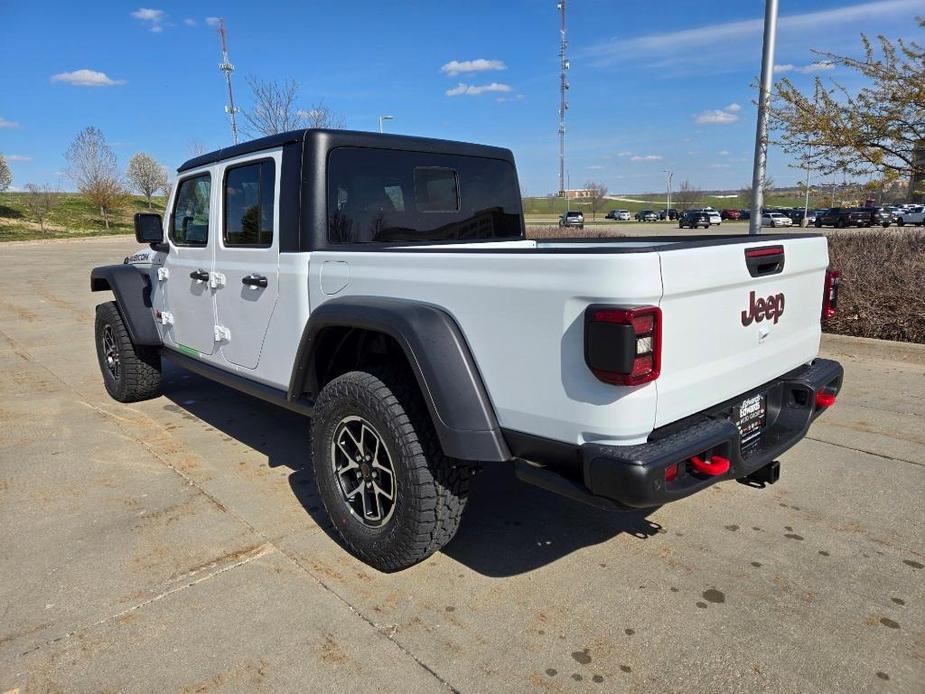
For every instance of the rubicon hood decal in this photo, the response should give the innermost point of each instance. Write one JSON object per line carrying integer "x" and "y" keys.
{"x": 771, "y": 308}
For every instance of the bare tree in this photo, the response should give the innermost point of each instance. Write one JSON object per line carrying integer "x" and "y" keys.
{"x": 597, "y": 191}
{"x": 687, "y": 196}
{"x": 168, "y": 189}
{"x": 92, "y": 168}
{"x": 40, "y": 202}
{"x": 321, "y": 116}
{"x": 745, "y": 193}
{"x": 197, "y": 147}
{"x": 275, "y": 109}
{"x": 6, "y": 178}
{"x": 146, "y": 175}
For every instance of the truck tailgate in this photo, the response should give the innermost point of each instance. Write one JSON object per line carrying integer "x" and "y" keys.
{"x": 713, "y": 345}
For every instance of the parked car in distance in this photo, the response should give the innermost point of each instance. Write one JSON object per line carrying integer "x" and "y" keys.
{"x": 796, "y": 216}
{"x": 745, "y": 214}
{"x": 572, "y": 218}
{"x": 732, "y": 215}
{"x": 871, "y": 216}
{"x": 618, "y": 215}
{"x": 775, "y": 219}
{"x": 694, "y": 219}
{"x": 669, "y": 214}
{"x": 911, "y": 215}
{"x": 841, "y": 217}
{"x": 646, "y": 216}
{"x": 712, "y": 214}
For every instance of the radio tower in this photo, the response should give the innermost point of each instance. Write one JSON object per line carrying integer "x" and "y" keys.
{"x": 563, "y": 89}
{"x": 226, "y": 67}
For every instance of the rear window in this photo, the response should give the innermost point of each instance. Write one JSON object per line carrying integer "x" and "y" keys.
{"x": 380, "y": 195}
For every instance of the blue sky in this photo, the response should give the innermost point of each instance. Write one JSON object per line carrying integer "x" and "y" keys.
{"x": 654, "y": 85}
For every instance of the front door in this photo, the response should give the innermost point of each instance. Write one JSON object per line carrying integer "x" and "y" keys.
{"x": 247, "y": 257}
{"x": 189, "y": 265}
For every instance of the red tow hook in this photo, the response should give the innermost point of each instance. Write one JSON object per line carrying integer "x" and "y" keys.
{"x": 717, "y": 466}
{"x": 825, "y": 399}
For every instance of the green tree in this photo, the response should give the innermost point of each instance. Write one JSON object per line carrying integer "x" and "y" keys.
{"x": 877, "y": 129}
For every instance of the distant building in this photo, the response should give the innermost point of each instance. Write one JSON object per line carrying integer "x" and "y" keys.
{"x": 576, "y": 193}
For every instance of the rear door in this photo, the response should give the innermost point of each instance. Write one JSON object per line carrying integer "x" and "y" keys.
{"x": 732, "y": 322}
{"x": 188, "y": 297}
{"x": 247, "y": 256}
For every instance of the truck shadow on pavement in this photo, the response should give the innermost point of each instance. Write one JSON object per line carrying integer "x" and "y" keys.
{"x": 509, "y": 527}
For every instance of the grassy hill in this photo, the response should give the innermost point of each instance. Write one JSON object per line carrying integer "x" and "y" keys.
{"x": 72, "y": 215}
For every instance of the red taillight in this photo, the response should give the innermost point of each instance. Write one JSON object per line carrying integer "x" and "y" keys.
{"x": 671, "y": 472}
{"x": 623, "y": 345}
{"x": 830, "y": 294}
{"x": 825, "y": 399}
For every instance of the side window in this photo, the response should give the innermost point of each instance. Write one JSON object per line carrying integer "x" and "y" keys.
{"x": 189, "y": 223}
{"x": 436, "y": 190}
{"x": 249, "y": 200}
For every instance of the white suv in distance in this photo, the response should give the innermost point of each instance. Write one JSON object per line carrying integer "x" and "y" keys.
{"x": 775, "y": 219}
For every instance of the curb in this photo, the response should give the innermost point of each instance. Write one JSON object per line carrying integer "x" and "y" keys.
{"x": 870, "y": 348}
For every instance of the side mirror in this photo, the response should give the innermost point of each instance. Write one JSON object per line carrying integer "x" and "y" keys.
{"x": 149, "y": 227}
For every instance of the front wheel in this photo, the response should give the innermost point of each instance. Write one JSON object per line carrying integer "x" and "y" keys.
{"x": 391, "y": 494}
{"x": 130, "y": 373}
{"x": 900, "y": 222}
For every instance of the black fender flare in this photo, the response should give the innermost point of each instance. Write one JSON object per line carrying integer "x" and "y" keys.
{"x": 439, "y": 356}
{"x": 132, "y": 290}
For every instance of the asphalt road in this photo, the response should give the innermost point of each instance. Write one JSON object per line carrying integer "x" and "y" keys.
{"x": 178, "y": 544}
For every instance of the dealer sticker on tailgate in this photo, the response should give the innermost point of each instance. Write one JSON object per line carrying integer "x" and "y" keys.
{"x": 749, "y": 416}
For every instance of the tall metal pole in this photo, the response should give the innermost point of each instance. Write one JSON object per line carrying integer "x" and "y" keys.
{"x": 668, "y": 203}
{"x": 764, "y": 100}
{"x": 563, "y": 89}
{"x": 226, "y": 67}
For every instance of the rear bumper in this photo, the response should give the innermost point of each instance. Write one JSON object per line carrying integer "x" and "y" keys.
{"x": 635, "y": 476}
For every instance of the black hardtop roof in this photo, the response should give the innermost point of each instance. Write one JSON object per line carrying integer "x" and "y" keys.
{"x": 348, "y": 138}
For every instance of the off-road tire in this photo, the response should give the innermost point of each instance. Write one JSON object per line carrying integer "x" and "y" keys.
{"x": 138, "y": 376}
{"x": 431, "y": 489}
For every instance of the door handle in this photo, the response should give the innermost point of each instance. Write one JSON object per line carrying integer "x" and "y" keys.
{"x": 254, "y": 280}
{"x": 199, "y": 275}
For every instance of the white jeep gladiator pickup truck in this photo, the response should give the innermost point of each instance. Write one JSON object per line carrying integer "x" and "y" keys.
{"x": 384, "y": 286}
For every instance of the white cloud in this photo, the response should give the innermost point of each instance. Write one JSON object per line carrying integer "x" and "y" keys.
{"x": 719, "y": 116}
{"x": 4, "y": 123}
{"x": 86, "y": 78}
{"x": 153, "y": 17}
{"x": 819, "y": 66}
{"x": 190, "y": 22}
{"x": 687, "y": 42}
{"x": 716, "y": 117}
{"x": 458, "y": 67}
{"x": 18, "y": 157}
{"x": 595, "y": 166}
{"x": 213, "y": 21}
{"x": 646, "y": 157}
{"x": 724, "y": 152}
{"x": 475, "y": 90}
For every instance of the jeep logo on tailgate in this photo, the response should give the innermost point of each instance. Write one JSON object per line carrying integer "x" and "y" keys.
{"x": 759, "y": 309}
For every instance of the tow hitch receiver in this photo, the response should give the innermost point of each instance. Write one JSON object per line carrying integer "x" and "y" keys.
{"x": 763, "y": 476}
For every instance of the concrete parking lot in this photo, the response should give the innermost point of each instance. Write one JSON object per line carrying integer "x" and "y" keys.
{"x": 178, "y": 544}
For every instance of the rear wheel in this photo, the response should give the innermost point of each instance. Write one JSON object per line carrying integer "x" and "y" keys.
{"x": 818, "y": 223}
{"x": 130, "y": 373}
{"x": 392, "y": 495}
{"x": 900, "y": 222}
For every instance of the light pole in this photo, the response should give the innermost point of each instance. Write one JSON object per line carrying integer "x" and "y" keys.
{"x": 668, "y": 204}
{"x": 764, "y": 99}
{"x": 806, "y": 200}
{"x": 383, "y": 118}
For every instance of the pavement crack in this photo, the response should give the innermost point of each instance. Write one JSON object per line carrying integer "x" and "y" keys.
{"x": 861, "y": 450}
{"x": 257, "y": 553}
